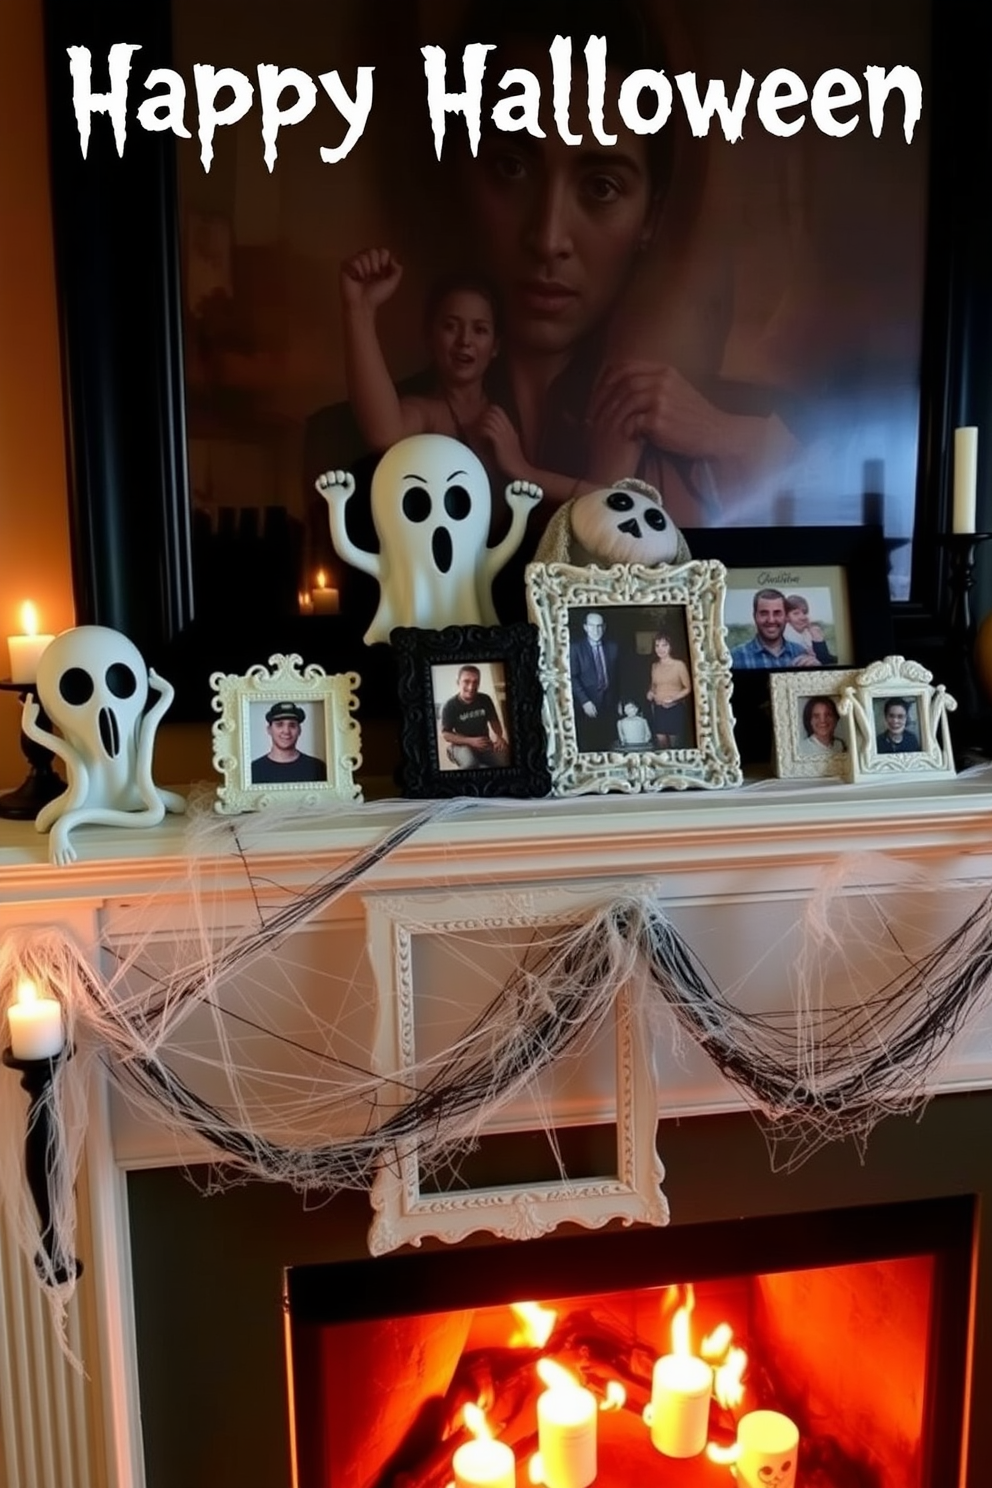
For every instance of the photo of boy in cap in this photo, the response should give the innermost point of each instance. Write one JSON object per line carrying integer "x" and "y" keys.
{"x": 285, "y": 764}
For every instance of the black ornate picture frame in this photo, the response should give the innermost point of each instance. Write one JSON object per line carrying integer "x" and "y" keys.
{"x": 503, "y": 658}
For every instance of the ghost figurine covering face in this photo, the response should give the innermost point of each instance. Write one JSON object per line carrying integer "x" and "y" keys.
{"x": 94, "y": 686}
{"x": 431, "y": 508}
{"x": 622, "y": 523}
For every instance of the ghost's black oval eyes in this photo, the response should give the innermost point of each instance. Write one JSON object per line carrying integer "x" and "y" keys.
{"x": 619, "y": 501}
{"x": 416, "y": 504}
{"x": 457, "y": 503}
{"x": 655, "y": 519}
{"x": 121, "y": 680}
{"x": 76, "y": 686}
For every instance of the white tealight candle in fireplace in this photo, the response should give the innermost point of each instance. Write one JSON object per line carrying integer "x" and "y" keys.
{"x": 567, "y": 1421}
{"x": 679, "y": 1413}
{"x": 35, "y": 1024}
{"x": 768, "y": 1445}
{"x": 483, "y": 1462}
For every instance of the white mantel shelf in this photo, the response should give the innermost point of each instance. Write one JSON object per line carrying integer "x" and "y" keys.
{"x": 763, "y": 824}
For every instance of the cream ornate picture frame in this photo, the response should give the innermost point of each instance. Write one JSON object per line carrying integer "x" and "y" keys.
{"x": 411, "y": 1052}
{"x": 812, "y": 737}
{"x": 285, "y": 734}
{"x": 636, "y": 676}
{"x": 898, "y": 722}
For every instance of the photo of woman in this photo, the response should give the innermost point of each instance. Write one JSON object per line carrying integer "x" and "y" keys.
{"x": 819, "y": 736}
{"x": 668, "y": 694}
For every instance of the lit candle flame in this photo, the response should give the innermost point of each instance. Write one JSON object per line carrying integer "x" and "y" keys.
{"x": 321, "y": 579}
{"x": 716, "y": 1344}
{"x": 27, "y": 992}
{"x": 555, "y": 1376}
{"x": 536, "y": 1324}
{"x": 29, "y": 619}
{"x": 723, "y": 1456}
{"x": 615, "y": 1398}
{"x": 535, "y": 1469}
{"x": 728, "y": 1378}
{"x": 475, "y": 1420}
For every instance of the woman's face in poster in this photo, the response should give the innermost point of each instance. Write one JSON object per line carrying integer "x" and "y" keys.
{"x": 462, "y": 337}
{"x": 559, "y": 226}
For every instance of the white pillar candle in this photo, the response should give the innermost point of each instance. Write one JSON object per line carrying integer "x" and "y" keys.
{"x": 324, "y": 600}
{"x": 35, "y": 1024}
{"x": 566, "y": 1436}
{"x": 484, "y": 1464}
{"x": 965, "y": 479}
{"x": 769, "y": 1450}
{"x": 679, "y": 1413}
{"x": 25, "y": 650}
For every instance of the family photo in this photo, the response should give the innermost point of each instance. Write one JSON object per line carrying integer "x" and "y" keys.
{"x": 647, "y": 304}
{"x": 800, "y": 622}
{"x": 631, "y": 680}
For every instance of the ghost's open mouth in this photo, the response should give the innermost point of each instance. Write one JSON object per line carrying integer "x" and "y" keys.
{"x": 110, "y": 734}
{"x": 441, "y": 548}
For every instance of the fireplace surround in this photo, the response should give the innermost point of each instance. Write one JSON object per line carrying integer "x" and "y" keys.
{"x": 179, "y": 1318}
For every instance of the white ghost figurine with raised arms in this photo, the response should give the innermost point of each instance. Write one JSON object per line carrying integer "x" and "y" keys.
{"x": 431, "y": 508}
{"x": 93, "y": 684}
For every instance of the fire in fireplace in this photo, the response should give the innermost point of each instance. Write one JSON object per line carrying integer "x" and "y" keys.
{"x": 824, "y": 1350}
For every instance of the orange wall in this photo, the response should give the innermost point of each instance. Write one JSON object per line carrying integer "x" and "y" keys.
{"x": 34, "y": 537}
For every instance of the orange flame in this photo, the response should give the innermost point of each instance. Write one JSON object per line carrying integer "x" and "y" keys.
{"x": 321, "y": 579}
{"x": 615, "y": 1398}
{"x": 728, "y": 1378}
{"x": 535, "y": 1469}
{"x": 716, "y": 1344}
{"x": 536, "y": 1324}
{"x": 555, "y": 1376}
{"x": 29, "y": 619}
{"x": 724, "y": 1456}
{"x": 475, "y": 1421}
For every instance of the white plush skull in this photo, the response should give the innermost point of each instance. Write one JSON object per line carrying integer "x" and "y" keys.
{"x": 768, "y": 1445}
{"x": 93, "y": 684}
{"x": 626, "y": 523}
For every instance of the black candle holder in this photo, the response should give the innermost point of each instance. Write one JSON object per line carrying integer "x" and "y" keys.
{"x": 41, "y": 784}
{"x": 36, "y": 1079}
{"x": 971, "y": 722}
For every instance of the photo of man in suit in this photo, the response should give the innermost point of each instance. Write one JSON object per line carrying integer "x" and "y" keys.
{"x": 594, "y": 666}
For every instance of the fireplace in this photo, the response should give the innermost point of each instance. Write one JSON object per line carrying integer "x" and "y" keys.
{"x": 855, "y": 1324}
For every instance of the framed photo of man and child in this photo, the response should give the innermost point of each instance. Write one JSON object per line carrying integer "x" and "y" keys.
{"x": 636, "y": 676}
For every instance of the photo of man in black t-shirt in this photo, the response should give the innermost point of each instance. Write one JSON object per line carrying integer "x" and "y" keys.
{"x": 471, "y": 726}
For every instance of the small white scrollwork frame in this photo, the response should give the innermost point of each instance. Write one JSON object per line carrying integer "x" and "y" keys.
{"x": 327, "y": 750}
{"x": 800, "y": 752}
{"x": 406, "y": 1212}
{"x": 634, "y": 601}
{"x": 898, "y": 722}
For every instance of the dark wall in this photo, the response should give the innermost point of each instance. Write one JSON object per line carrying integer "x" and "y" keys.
{"x": 207, "y": 1271}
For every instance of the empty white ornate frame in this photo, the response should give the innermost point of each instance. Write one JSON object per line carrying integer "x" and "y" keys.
{"x": 405, "y": 1211}
{"x": 863, "y": 701}
{"x": 331, "y": 735}
{"x": 797, "y": 756}
{"x": 629, "y": 596}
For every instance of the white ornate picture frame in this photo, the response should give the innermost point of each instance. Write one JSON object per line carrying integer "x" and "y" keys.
{"x": 635, "y": 605}
{"x": 898, "y": 722}
{"x": 406, "y": 1212}
{"x": 327, "y": 748}
{"x": 806, "y": 738}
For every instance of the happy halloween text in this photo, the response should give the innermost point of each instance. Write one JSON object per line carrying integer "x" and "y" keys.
{"x": 645, "y": 99}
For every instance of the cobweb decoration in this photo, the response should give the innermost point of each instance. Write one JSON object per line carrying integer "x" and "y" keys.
{"x": 323, "y": 1122}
